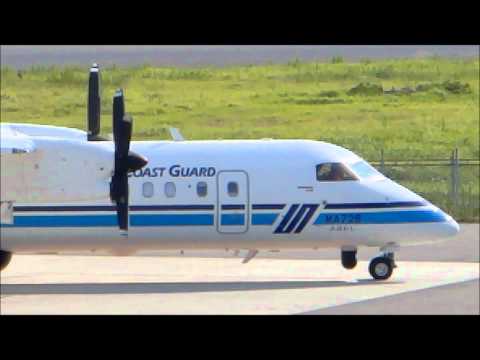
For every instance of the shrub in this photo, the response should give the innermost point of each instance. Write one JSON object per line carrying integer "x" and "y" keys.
{"x": 456, "y": 87}
{"x": 385, "y": 72}
{"x": 337, "y": 60}
{"x": 329, "y": 93}
{"x": 366, "y": 89}
{"x": 318, "y": 101}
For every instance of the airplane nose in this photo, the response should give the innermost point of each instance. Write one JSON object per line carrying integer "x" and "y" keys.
{"x": 450, "y": 227}
{"x": 453, "y": 227}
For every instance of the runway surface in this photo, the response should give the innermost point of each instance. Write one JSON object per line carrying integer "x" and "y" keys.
{"x": 433, "y": 279}
{"x": 109, "y": 285}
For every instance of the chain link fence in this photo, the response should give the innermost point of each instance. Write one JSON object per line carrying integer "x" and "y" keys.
{"x": 450, "y": 183}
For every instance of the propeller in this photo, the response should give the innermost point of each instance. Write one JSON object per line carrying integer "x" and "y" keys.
{"x": 126, "y": 161}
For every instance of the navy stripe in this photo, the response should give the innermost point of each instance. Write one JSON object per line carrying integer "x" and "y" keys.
{"x": 233, "y": 207}
{"x": 268, "y": 206}
{"x": 376, "y": 205}
{"x": 296, "y": 219}
{"x": 286, "y": 219}
{"x": 170, "y": 207}
{"x": 112, "y": 208}
{"x": 311, "y": 210}
{"x": 64, "y": 208}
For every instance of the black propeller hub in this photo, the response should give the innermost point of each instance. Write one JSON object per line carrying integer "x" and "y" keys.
{"x": 135, "y": 161}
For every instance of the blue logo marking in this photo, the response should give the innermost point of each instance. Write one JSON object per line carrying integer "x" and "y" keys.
{"x": 300, "y": 218}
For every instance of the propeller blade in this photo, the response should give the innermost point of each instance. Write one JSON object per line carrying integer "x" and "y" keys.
{"x": 122, "y": 126}
{"x": 93, "y": 115}
{"x": 122, "y": 202}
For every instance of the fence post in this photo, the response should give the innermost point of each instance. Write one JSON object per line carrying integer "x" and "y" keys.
{"x": 382, "y": 162}
{"x": 452, "y": 176}
{"x": 457, "y": 178}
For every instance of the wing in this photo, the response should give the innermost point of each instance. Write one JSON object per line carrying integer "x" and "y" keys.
{"x": 176, "y": 135}
{"x": 14, "y": 142}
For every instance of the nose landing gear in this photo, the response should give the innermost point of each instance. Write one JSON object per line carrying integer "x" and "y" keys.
{"x": 381, "y": 267}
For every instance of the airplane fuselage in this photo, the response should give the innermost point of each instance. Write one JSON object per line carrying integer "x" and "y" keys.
{"x": 237, "y": 194}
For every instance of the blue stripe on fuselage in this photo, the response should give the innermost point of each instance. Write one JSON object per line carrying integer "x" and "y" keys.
{"x": 233, "y": 219}
{"x": 384, "y": 217}
{"x": 171, "y": 220}
{"x": 264, "y": 219}
{"x": 195, "y": 219}
{"x": 111, "y": 220}
{"x": 64, "y": 221}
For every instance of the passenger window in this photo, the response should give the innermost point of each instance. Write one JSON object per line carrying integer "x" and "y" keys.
{"x": 334, "y": 172}
{"x": 232, "y": 189}
{"x": 170, "y": 189}
{"x": 147, "y": 189}
{"x": 202, "y": 189}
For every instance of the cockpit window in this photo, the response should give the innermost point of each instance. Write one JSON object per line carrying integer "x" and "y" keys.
{"x": 364, "y": 170}
{"x": 334, "y": 172}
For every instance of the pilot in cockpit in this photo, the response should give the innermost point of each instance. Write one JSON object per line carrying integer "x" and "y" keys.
{"x": 333, "y": 172}
{"x": 336, "y": 173}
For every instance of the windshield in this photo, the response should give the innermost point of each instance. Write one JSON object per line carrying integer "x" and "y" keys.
{"x": 364, "y": 170}
{"x": 334, "y": 172}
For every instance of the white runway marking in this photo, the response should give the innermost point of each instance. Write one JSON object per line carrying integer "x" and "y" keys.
{"x": 149, "y": 285}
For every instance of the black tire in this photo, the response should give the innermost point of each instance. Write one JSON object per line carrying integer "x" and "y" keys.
{"x": 349, "y": 259}
{"x": 381, "y": 268}
{"x": 5, "y": 258}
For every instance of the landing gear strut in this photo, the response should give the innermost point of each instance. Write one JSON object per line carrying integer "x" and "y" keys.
{"x": 381, "y": 267}
{"x": 5, "y": 258}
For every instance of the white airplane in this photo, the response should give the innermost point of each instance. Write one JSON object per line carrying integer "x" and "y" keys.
{"x": 65, "y": 190}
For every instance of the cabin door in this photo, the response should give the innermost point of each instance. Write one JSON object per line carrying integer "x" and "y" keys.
{"x": 233, "y": 202}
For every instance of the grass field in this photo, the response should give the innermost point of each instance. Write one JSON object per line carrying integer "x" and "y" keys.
{"x": 437, "y": 110}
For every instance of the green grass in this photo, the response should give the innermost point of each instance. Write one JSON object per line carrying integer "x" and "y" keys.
{"x": 295, "y": 100}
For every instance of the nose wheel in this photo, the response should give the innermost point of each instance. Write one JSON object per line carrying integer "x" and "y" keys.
{"x": 381, "y": 267}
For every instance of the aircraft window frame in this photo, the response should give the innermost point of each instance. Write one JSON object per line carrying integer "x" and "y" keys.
{"x": 148, "y": 189}
{"x": 232, "y": 192}
{"x": 202, "y": 189}
{"x": 338, "y": 165}
{"x": 170, "y": 189}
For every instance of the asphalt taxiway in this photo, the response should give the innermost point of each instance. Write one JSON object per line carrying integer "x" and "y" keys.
{"x": 431, "y": 279}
